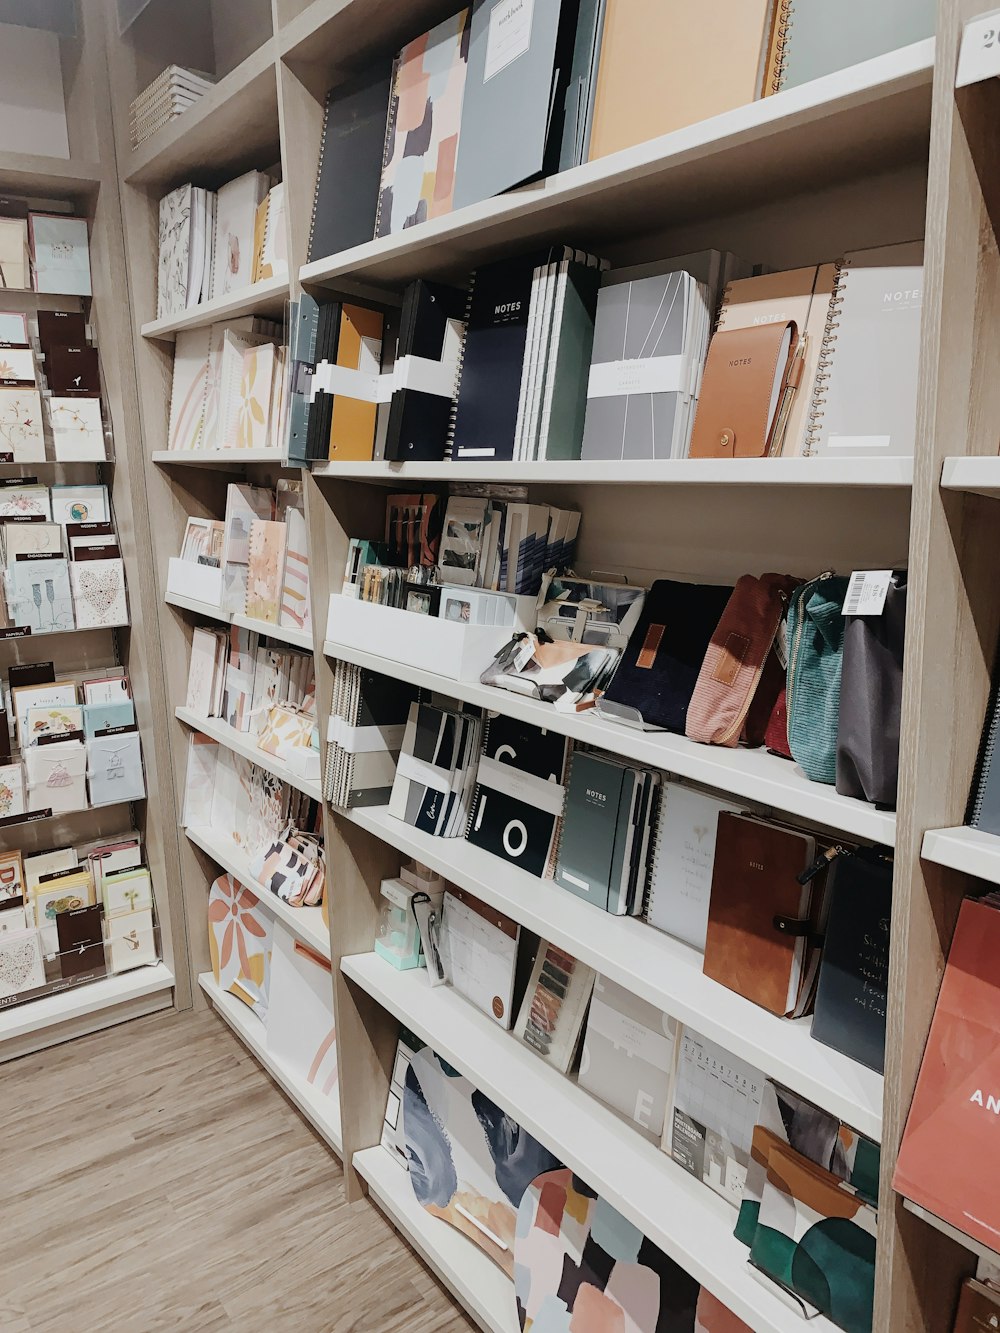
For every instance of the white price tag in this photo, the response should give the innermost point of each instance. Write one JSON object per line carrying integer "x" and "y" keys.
{"x": 867, "y": 591}
{"x": 980, "y": 55}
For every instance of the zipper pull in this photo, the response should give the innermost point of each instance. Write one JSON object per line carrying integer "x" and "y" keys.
{"x": 822, "y": 861}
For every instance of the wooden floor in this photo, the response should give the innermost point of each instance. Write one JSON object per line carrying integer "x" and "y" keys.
{"x": 139, "y": 1193}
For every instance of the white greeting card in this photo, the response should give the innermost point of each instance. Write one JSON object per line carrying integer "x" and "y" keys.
{"x": 25, "y": 501}
{"x": 114, "y": 769}
{"x": 133, "y": 940}
{"x": 39, "y": 594}
{"x": 11, "y": 791}
{"x": 77, "y": 429}
{"x": 80, "y": 504}
{"x": 21, "y": 966}
{"x": 61, "y": 254}
{"x": 57, "y": 776}
{"x": 99, "y": 593}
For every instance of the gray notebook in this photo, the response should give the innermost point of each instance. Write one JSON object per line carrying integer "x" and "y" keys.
{"x": 628, "y": 1055}
{"x": 507, "y": 106}
{"x": 825, "y": 36}
{"x": 641, "y": 369}
{"x": 865, "y": 400}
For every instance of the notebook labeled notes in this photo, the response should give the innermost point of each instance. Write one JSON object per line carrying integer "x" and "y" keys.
{"x": 750, "y": 378}
{"x": 865, "y": 398}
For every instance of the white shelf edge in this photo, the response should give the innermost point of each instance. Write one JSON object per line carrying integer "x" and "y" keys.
{"x": 675, "y": 1211}
{"x": 485, "y": 1291}
{"x": 222, "y": 460}
{"x": 966, "y": 849}
{"x": 651, "y": 964}
{"x": 259, "y": 296}
{"x": 754, "y": 775}
{"x": 826, "y": 473}
{"x": 295, "y": 638}
{"x": 979, "y": 475}
{"x": 241, "y": 743}
{"x": 861, "y": 85}
{"x": 305, "y": 923}
{"x": 323, "y": 1113}
{"x": 959, "y": 1237}
{"x": 79, "y": 1001}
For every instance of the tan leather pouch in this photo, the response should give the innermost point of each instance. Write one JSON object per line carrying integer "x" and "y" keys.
{"x": 734, "y": 408}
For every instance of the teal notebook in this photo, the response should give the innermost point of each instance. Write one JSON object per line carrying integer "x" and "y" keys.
{"x": 823, "y": 37}
{"x": 596, "y": 826}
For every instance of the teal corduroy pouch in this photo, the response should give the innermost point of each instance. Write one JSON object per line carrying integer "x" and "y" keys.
{"x": 815, "y": 660}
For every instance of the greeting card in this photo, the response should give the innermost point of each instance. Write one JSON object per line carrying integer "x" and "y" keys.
{"x": 114, "y": 768}
{"x": 77, "y": 429}
{"x": 30, "y": 539}
{"x": 17, "y": 363}
{"x": 99, "y": 593}
{"x": 15, "y": 266}
{"x": 21, "y": 967}
{"x": 61, "y": 253}
{"x": 39, "y": 594}
{"x": 133, "y": 940}
{"x": 11, "y": 791}
{"x": 21, "y": 431}
{"x": 57, "y": 776}
{"x": 25, "y": 501}
{"x": 80, "y": 504}
{"x": 11, "y": 877}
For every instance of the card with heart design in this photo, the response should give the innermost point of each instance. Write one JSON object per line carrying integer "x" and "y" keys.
{"x": 21, "y": 967}
{"x": 99, "y": 593}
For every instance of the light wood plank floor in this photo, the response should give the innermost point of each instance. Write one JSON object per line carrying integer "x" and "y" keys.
{"x": 140, "y": 1194}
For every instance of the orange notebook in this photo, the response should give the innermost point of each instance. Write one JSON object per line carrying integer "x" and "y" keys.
{"x": 947, "y": 1162}
{"x": 669, "y": 63}
{"x": 359, "y": 347}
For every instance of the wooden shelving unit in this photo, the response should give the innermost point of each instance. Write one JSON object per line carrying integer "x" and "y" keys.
{"x": 873, "y": 155}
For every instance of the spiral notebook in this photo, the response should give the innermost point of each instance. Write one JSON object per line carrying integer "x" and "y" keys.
{"x": 984, "y": 799}
{"x": 518, "y": 801}
{"x": 680, "y": 887}
{"x": 864, "y": 401}
{"x": 814, "y": 37}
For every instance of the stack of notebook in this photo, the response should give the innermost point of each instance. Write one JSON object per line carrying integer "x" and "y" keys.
{"x": 816, "y": 361}
{"x": 518, "y": 801}
{"x": 436, "y": 770}
{"x": 608, "y": 824}
{"x": 649, "y": 345}
{"x": 366, "y": 729}
{"x": 506, "y": 546}
{"x": 230, "y": 387}
{"x": 529, "y": 334}
{"x": 168, "y": 96}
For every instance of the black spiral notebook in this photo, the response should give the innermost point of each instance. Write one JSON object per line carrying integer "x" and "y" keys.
{"x": 350, "y": 162}
{"x": 984, "y": 798}
{"x": 518, "y": 801}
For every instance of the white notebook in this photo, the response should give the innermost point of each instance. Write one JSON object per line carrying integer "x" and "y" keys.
{"x": 681, "y": 885}
{"x": 865, "y": 401}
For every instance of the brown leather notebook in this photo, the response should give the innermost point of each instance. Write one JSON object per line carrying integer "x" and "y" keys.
{"x": 761, "y": 920}
{"x": 746, "y": 392}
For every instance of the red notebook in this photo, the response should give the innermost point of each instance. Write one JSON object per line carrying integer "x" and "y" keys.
{"x": 952, "y": 1138}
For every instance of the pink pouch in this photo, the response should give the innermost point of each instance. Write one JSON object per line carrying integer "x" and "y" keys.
{"x": 731, "y": 671}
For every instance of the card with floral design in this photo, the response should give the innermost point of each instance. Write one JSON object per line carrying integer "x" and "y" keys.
{"x": 11, "y": 791}
{"x": 21, "y": 432}
{"x": 77, "y": 429}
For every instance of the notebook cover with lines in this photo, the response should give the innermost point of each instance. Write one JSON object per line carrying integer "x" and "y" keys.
{"x": 681, "y": 875}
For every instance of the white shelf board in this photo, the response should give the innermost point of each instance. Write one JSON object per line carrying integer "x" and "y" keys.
{"x": 267, "y": 297}
{"x": 305, "y": 923}
{"x": 79, "y": 1001}
{"x": 674, "y": 1210}
{"x": 980, "y": 475}
{"x": 38, "y": 174}
{"x": 322, "y": 1112}
{"x": 242, "y": 743}
{"x": 966, "y": 849}
{"x": 297, "y": 638}
{"x": 221, "y": 460}
{"x": 483, "y": 1288}
{"x": 649, "y": 963}
{"x": 939, "y": 1224}
{"x": 872, "y": 473}
{"x": 789, "y": 143}
{"x": 753, "y": 774}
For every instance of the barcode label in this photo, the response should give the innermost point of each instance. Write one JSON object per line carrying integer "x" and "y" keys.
{"x": 867, "y": 591}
